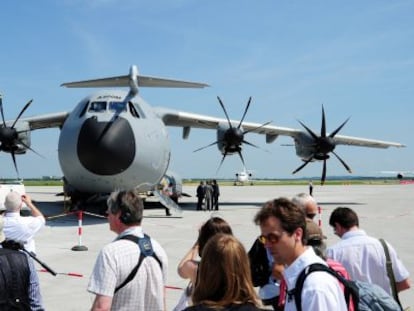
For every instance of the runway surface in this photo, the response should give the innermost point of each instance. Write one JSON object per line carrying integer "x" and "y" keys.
{"x": 384, "y": 211}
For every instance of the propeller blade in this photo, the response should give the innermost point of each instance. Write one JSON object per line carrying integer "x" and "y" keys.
{"x": 323, "y": 173}
{"x": 343, "y": 162}
{"x": 225, "y": 111}
{"x": 241, "y": 157}
{"x": 303, "y": 165}
{"x": 21, "y": 112}
{"x": 15, "y": 164}
{"x": 245, "y": 111}
{"x": 215, "y": 143}
{"x": 221, "y": 162}
{"x": 1, "y": 109}
{"x": 323, "y": 126}
{"x": 339, "y": 128}
{"x": 256, "y": 128}
{"x": 28, "y": 147}
{"x": 311, "y": 133}
{"x": 250, "y": 144}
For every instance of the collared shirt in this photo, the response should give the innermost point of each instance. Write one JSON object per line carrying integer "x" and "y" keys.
{"x": 22, "y": 229}
{"x": 116, "y": 261}
{"x": 321, "y": 291}
{"x": 364, "y": 259}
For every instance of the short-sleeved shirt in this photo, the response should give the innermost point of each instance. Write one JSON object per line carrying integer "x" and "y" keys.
{"x": 116, "y": 261}
{"x": 321, "y": 291}
{"x": 22, "y": 229}
{"x": 364, "y": 259}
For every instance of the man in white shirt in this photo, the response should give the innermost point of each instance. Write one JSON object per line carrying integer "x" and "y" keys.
{"x": 18, "y": 228}
{"x": 283, "y": 228}
{"x": 363, "y": 256}
{"x": 112, "y": 281}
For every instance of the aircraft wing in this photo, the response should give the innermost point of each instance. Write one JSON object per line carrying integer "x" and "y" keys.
{"x": 188, "y": 120}
{"x": 46, "y": 120}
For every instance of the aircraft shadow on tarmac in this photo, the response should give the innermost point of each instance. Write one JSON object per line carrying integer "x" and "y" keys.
{"x": 56, "y": 215}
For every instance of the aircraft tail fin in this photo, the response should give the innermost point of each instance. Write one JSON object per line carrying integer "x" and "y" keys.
{"x": 125, "y": 81}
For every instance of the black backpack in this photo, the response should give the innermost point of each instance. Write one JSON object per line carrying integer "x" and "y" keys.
{"x": 365, "y": 296}
{"x": 146, "y": 250}
{"x": 14, "y": 280}
{"x": 259, "y": 264}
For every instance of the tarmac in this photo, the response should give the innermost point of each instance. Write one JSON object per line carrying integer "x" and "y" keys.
{"x": 385, "y": 211}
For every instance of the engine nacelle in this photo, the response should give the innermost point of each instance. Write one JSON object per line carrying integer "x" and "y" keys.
{"x": 229, "y": 140}
{"x": 22, "y": 140}
{"x": 304, "y": 146}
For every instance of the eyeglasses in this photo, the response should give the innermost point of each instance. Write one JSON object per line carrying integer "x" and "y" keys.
{"x": 272, "y": 238}
{"x": 310, "y": 215}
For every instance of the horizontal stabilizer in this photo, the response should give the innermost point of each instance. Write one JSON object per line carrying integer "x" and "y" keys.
{"x": 123, "y": 81}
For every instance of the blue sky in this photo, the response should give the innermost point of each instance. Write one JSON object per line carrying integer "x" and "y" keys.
{"x": 354, "y": 57}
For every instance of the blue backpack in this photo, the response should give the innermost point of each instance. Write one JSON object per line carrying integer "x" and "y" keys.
{"x": 365, "y": 296}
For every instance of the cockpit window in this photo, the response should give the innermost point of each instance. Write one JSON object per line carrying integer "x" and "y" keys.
{"x": 118, "y": 107}
{"x": 134, "y": 112}
{"x": 97, "y": 107}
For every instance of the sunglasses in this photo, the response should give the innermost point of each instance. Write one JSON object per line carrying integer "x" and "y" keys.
{"x": 310, "y": 216}
{"x": 272, "y": 238}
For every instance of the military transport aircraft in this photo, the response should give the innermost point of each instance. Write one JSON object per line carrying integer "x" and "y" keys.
{"x": 113, "y": 139}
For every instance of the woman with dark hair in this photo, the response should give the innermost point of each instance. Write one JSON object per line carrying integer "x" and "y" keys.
{"x": 224, "y": 281}
{"x": 188, "y": 266}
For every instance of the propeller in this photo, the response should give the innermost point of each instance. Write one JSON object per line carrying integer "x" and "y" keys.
{"x": 9, "y": 135}
{"x": 233, "y": 137}
{"x": 322, "y": 146}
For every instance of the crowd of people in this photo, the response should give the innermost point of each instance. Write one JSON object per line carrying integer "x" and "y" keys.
{"x": 130, "y": 273}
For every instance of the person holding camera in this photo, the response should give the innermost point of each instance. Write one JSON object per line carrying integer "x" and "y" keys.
{"x": 19, "y": 228}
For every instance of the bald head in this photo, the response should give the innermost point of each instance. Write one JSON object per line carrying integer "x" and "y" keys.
{"x": 307, "y": 203}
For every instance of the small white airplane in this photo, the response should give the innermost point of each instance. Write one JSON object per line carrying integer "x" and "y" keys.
{"x": 245, "y": 176}
{"x": 399, "y": 174}
{"x": 113, "y": 139}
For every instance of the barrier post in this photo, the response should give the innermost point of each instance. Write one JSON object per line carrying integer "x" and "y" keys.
{"x": 80, "y": 247}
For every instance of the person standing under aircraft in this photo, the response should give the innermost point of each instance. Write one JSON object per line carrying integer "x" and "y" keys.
{"x": 216, "y": 194}
{"x": 115, "y": 266}
{"x": 18, "y": 228}
{"x": 168, "y": 191}
{"x": 364, "y": 256}
{"x": 201, "y": 192}
{"x": 282, "y": 225}
{"x": 208, "y": 189}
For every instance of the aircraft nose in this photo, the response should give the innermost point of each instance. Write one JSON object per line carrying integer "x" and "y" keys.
{"x": 106, "y": 148}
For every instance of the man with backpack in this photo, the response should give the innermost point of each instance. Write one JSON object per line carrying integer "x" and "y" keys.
{"x": 363, "y": 256}
{"x": 19, "y": 282}
{"x": 283, "y": 226}
{"x": 131, "y": 272}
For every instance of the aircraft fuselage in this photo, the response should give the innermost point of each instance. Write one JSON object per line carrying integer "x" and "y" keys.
{"x": 111, "y": 141}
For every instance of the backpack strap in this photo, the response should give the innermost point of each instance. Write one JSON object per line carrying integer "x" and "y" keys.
{"x": 146, "y": 250}
{"x": 390, "y": 272}
{"x": 297, "y": 291}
